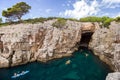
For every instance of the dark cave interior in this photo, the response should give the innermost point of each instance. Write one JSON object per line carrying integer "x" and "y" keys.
{"x": 85, "y": 39}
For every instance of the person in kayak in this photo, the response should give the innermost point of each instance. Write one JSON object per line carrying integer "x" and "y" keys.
{"x": 15, "y": 74}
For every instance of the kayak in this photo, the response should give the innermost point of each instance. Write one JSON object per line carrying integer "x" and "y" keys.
{"x": 20, "y": 74}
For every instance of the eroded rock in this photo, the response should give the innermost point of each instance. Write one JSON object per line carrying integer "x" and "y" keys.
{"x": 106, "y": 44}
{"x": 23, "y": 43}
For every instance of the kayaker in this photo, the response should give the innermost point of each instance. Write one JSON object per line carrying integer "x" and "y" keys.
{"x": 23, "y": 72}
{"x": 15, "y": 74}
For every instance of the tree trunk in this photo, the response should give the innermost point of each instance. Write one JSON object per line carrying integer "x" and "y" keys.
{"x": 19, "y": 18}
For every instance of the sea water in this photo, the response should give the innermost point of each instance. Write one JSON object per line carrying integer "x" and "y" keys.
{"x": 83, "y": 65}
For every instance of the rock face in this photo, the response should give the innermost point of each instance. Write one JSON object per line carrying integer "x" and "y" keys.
{"x": 106, "y": 44}
{"x": 113, "y": 76}
{"x": 23, "y": 43}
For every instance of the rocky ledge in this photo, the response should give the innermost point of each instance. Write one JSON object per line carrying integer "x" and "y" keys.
{"x": 23, "y": 43}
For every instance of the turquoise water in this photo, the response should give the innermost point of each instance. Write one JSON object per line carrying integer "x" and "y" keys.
{"x": 81, "y": 67}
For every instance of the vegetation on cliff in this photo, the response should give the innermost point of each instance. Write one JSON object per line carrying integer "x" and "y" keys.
{"x": 36, "y": 20}
{"x": 33, "y": 21}
{"x": 62, "y": 21}
{"x": 105, "y": 20}
{"x": 0, "y": 20}
{"x": 59, "y": 23}
{"x": 117, "y": 19}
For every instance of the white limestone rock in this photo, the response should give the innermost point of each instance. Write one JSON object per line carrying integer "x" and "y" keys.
{"x": 23, "y": 43}
{"x": 3, "y": 62}
{"x": 113, "y": 76}
{"x": 106, "y": 44}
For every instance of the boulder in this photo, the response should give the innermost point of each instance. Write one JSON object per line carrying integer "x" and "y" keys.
{"x": 113, "y": 76}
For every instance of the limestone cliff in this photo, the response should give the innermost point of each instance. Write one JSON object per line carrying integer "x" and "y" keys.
{"x": 23, "y": 43}
{"x": 106, "y": 44}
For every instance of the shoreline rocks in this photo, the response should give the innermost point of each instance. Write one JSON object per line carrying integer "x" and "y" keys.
{"x": 113, "y": 76}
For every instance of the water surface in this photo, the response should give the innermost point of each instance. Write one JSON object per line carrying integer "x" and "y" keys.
{"x": 84, "y": 66}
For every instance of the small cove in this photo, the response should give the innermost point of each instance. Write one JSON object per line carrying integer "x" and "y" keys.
{"x": 84, "y": 65}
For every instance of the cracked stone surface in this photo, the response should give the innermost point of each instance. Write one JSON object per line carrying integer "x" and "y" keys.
{"x": 23, "y": 43}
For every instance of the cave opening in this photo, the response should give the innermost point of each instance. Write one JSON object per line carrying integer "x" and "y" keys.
{"x": 85, "y": 39}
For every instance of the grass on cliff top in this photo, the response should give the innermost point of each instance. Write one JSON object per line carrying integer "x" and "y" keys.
{"x": 36, "y": 20}
{"x": 62, "y": 21}
{"x": 105, "y": 20}
{"x": 33, "y": 21}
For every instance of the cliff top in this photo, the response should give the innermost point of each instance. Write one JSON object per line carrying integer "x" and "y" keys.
{"x": 105, "y": 21}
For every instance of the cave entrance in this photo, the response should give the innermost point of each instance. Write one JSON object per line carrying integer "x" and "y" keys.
{"x": 85, "y": 39}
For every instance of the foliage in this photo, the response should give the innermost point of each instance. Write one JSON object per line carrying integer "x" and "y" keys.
{"x": 91, "y": 19}
{"x": 105, "y": 20}
{"x": 16, "y": 11}
{"x": 117, "y": 19}
{"x": 0, "y": 20}
{"x": 72, "y": 19}
{"x": 59, "y": 23}
{"x": 35, "y": 20}
{"x": 62, "y": 21}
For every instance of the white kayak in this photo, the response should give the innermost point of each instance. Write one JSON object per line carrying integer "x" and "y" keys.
{"x": 20, "y": 74}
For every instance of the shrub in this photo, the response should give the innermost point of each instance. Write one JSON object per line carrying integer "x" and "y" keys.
{"x": 72, "y": 19}
{"x": 117, "y": 19}
{"x": 105, "y": 20}
{"x": 0, "y": 20}
{"x": 59, "y": 23}
{"x": 35, "y": 20}
{"x": 91, "y": 19}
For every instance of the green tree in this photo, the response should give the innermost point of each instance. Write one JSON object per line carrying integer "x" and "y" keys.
{"x": 16, "y": 11}
{"x": 0, "y": 20}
